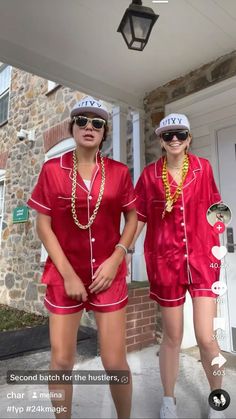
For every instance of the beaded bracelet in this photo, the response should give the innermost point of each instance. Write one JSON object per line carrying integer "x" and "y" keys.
{"x": 122, "y": 247}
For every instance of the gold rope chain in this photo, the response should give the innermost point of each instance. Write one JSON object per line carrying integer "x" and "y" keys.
{"x": 170, "y": 200}
{"x": 73, "y": 210}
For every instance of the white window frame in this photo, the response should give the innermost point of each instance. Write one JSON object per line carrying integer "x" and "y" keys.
{"x": 61, "y": 148}
{"x": 2, "y": 199}
{"x": 5, "y": 89}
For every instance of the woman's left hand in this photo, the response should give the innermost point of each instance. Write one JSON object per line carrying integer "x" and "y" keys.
{"x": 104, "y": 275}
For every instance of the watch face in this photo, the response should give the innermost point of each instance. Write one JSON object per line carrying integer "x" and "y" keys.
{"x": 219, "y": 399}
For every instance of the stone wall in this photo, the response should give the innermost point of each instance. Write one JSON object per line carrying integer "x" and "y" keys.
{"x": 31, "y": 108}
{"x": 154, "y": 103}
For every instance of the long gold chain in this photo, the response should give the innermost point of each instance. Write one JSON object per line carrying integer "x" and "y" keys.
{"x": 171, "y": 199}
{"x": 73, "y": 210}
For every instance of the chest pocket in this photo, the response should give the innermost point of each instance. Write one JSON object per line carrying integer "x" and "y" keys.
{"x": 63, "y": 202}
{"x": 157, "y": 208}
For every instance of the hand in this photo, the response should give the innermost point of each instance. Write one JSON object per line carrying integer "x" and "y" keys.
{"x": 128, "y": 258}
{"x": 104, "y": 275}
{"x": 75, "y": 289}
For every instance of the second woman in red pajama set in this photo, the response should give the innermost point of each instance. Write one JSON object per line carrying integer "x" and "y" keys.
{"x": 173, "y": 196}
{"x": 79, "y": 198}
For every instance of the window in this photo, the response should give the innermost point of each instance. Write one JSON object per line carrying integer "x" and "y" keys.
{"x": 5, "y": 79}
{"x": 2, "y": 173}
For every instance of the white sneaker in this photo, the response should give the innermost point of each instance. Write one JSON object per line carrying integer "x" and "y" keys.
{"x": 215, "y": 414}
{"x": 168, "y": 408}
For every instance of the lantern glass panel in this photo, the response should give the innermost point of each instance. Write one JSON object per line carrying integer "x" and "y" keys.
{"x": 127, "y": 31}
{"x": 141, "y": 27}
{"x": 138, "y": 45}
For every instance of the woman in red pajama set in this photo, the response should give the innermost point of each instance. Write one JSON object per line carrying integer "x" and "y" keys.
{"x": 79, "y": 198}
{"x": 173, "y": 195}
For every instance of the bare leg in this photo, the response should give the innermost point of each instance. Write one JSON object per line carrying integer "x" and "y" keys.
{"x": 63, "y": 334}
{"x": 204, "y": 310}
{"x": 111, "y": 329}
{"x": 172, "y": 322}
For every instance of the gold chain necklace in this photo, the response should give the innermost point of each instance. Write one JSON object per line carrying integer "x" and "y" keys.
{"x": 73, "y": 210}
{"x": 170, "y": 200}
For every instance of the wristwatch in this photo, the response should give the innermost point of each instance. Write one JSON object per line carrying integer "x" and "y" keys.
{"x": 131, "y": 250}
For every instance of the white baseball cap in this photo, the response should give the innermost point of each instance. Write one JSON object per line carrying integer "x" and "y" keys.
{"x": 172, "y": 122}
{"x": 89, "y": 104}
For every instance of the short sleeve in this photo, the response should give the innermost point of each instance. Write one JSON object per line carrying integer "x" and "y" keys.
{"x": 128, "y": 196}
{"x": 42, "y": 196}
{"x": 214, "y": 193}
{"x": 141, "y": 203}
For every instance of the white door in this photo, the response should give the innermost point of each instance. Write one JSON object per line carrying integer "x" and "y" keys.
{"x": 226, "y": 139}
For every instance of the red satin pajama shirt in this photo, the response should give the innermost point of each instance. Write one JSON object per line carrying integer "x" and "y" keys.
{"x": 85, "y": 249}
{"x": 178, "y": 248}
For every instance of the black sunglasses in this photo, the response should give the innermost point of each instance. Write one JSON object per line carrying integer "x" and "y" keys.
{"x": 169, "y": 135}
{"x": 82, "y": 122}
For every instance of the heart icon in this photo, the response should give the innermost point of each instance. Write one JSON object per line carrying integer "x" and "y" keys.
{"x": 219, "y": 251}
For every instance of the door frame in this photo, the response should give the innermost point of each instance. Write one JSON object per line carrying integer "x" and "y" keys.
{"x": 198, "y": 103}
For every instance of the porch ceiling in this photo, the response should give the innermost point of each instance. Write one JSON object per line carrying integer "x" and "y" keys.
{"x": 75, "y": 43}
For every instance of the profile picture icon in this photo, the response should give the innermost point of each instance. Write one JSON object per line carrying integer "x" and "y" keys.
{"x": 222, "y": 399}
{"x": 216, "y": 401}
{"x": 219, "y": 399}
{"x": 219, "y": 213}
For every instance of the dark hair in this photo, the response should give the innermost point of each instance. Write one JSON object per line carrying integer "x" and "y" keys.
{"x": 106, "y": 130}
